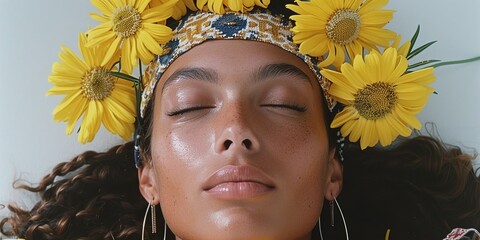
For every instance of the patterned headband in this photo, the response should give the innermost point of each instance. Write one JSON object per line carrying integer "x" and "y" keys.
{"x": 203, "y": 26}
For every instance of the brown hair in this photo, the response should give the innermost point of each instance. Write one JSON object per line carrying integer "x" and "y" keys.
{"x": 146, "y": 133}
{"x": 420, "y": 189}
{"x": 96, "y": 197}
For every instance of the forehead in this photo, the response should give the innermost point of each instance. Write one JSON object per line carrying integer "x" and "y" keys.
{"x": 234, "y": 57}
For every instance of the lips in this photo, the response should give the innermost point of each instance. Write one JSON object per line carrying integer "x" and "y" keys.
{"x": 234, "y": 182}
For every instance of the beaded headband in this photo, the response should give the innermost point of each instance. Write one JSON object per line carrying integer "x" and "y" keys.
{"x": 380, "y": 92}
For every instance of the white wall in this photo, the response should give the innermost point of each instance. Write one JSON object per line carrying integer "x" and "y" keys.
{"x": 31, "y": 33}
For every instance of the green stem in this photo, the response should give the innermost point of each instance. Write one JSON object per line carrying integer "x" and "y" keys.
{"x": 124, "y": 76}
{"x": 138, "y": 94}
{"x": 117, "y": 62}
{"x": 141, "y": 75}
{"x": 456, "y": 62}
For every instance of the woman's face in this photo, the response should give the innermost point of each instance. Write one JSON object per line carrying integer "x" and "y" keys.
{"x": 239, "y": 144}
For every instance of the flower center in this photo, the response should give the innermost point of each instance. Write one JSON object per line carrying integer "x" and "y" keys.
{"x": 126, "y": 21}
{"x": 343, "y": 26}
{"x": 97, "y": 84}
{"x": 375, "y": 100}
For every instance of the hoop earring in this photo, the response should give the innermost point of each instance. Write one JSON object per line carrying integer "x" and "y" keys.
{"x": 154, "y": 222}
{"x": 332, "y": 212}
{"x": 343, "y": 217}
{"x": 332, "y": 219}
{"x": 320, "y": 228}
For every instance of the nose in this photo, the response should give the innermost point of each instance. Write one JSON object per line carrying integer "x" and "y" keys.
{"x": 246, "y": 143}
{"x": 236, "y": 134}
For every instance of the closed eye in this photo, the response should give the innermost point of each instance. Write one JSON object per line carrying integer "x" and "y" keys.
{"x": 289, "y": 106}
{"x": 187, "y": 110}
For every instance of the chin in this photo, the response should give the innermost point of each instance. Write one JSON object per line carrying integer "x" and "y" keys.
{"x": 240, "y": 223}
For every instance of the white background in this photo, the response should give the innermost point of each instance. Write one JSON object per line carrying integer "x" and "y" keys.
{"x": 31, "y": 33}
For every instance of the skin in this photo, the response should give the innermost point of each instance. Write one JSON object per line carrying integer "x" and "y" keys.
{"x": 230, "y": 115}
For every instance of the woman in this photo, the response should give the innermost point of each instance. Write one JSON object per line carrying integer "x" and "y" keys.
{"x": 236, "y": 143}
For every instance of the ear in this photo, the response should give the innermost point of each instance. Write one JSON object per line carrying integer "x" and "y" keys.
{"x": 334, "y": 176}
{"x": 147, "y": 183}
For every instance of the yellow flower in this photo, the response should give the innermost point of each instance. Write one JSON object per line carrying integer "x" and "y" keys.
{"x": 381, "y": 99}
{"x": 133, "y": 27}
{"x": 402, "y": 50}
{"x": 220, "y": 6}
{"x": 92, "y": 92}
{"x": 333, "y": 27}
{"x": 180, "y": 8}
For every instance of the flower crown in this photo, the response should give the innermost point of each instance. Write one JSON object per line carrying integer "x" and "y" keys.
{"x": 341, "y": 40}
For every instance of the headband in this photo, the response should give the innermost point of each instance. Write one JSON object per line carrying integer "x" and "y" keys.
{"x": 199, "y": 27}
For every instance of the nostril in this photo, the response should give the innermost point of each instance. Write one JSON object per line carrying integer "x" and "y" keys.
{"x": 227, "y": 144}
{"x": 247, "y": 143}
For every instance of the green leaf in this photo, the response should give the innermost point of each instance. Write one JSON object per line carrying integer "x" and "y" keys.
{"x": 140, "y": 77}
{"x": 422, "y": 63}
{"x": 138, "y": 85}
{"x": 113, "y": 65}
{"x": 124, "y": 76}
{"x": 420, "y": 49}
{"x": 456, "y": 62}
{"x": 414, "y": 39}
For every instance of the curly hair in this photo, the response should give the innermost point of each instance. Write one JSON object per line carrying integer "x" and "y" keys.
{"x": 420, "y": 189}
{"x": 93, "y": 196}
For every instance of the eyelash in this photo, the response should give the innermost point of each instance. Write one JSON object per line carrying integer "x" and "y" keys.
{"x": 292, "y": 106}
{"x": 186, "y": 110}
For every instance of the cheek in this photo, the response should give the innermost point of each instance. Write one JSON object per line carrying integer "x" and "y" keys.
{"x": 307, "y": 188}
{"x": 308, "y": 170}
{"x": 309, "y": 185}
{"x": 301, "y": 146}
{"x": 179, "y": 150}
{"x": 179, "y": 158}
{"x": 302, "y": 164}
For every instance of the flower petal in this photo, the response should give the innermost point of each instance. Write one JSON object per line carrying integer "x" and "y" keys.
{"x": 347, "y": 114}
{"x": 91, "y": 122}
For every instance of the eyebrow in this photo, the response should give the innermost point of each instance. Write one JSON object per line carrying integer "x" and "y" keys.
{"x": 279, "y": 69}
{"x": 263, "y": 73}
{"x": 196, "y": 73}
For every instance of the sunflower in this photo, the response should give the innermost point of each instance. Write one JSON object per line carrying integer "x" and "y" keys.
{"x": 336, "y": 27}
{"x": 133, "y": 27}
{"x": 180, "y": 8}
{"x": 92, "y": 92}
{"x": 381, "y": 99}
{"x": 402, "y": 50}
{"x": 220, "y": 6}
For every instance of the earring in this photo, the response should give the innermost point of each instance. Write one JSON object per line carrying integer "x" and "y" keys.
{"x": 320, "y": 228}
{"x": 332, "y": 214}
{"x": 332, "y": 219}
{"x": 164, "y": 230}
{"x": 154, "y": 222}
{"x": 154, "y": 219}
{"x": 145, "y": 220}
{"x": 343, "y": 217}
